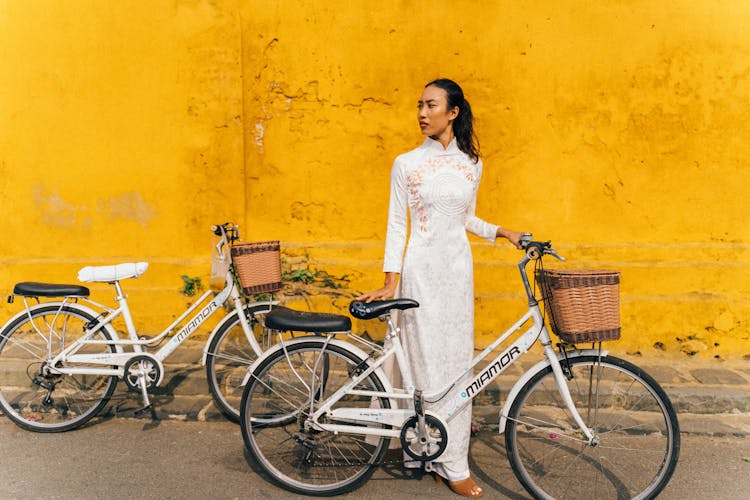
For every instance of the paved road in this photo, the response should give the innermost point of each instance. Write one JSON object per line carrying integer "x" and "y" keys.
{"x": 129, "y": 458}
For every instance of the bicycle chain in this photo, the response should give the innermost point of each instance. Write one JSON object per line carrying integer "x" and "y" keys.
{"x": 393, "y": 461}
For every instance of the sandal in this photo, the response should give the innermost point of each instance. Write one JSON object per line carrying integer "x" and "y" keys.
{"x": 465, "y": 487}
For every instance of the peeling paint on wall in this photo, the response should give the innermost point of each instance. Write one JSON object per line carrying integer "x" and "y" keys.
{"x": 128, "y": 206}
{"x": 57, "y": 211}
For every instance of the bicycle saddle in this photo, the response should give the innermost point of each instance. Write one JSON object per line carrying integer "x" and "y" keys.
{"x": 377, "y": 308}
{"x": 33, "y": 289}
{"x": 108, "y": 274}
{"x": 289, "y": 320}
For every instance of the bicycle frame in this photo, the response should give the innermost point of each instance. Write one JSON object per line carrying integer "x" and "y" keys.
{"x": 116, "y": 361}
{"x": 70, "y": 341}
{"x": 457, "y": 394}
{"x": 119, "y": 358}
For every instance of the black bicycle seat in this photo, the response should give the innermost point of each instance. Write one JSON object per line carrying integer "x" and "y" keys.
{"x": 289, "y": 320}
{"x": 377, "y": 308}
{"x": 32, "y": 289}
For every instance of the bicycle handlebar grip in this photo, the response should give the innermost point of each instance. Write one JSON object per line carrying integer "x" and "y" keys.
{"x": 217, "y": 228}
{"x": 525, "y": 240}
{"x": 535, "y": 249}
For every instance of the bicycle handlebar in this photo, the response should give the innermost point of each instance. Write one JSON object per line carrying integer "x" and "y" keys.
{"x": 228, "y": 230}
{"x": 536, "y": 249}
{"x": 217, "y": 229}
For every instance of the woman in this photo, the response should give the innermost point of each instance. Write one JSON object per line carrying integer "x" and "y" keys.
{"x": 438, "y": 183}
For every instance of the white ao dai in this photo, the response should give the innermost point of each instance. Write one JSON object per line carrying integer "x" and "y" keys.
{"x": 436, "y": 188}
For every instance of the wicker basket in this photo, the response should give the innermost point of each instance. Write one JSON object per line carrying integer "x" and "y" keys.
{"x": 258, "y": 266}
{"x": 583, "y": 306}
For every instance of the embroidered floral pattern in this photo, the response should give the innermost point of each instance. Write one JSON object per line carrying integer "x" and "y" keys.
{"x": 432, "y": 165}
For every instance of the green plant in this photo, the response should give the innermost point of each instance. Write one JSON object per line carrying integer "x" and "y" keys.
{"x": 300, "y": 276}
{"x": 309, "y": 276}
{"x": 191, "y": 286}
{"x": 332, "y": 281}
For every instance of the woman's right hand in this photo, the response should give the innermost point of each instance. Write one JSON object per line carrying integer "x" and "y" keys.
{"x": 388, "y": 291}
{"x": 513, "y": 236}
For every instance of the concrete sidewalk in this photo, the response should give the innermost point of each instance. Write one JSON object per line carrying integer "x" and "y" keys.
{"x": 711, "y": 397}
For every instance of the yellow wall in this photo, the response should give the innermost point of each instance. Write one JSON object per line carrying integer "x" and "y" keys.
{"x": 616, "y": 129}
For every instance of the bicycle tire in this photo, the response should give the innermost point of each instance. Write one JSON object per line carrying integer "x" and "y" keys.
{"x": 631, "y": 415}
{"x": 308, "y": 461}
{"x": 228, "y": 358}
{"x": 27, "y": 344}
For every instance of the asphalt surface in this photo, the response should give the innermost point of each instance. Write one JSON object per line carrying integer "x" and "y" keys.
{"x": 189, "y": 450}
{"x": 126, "y": 458}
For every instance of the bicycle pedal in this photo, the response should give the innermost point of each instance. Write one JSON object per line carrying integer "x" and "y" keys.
{"x": 143, "y": 410}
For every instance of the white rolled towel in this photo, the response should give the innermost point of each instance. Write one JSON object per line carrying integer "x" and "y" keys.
{"x": 112, "y": 273}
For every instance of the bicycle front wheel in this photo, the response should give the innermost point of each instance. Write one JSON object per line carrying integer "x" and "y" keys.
{"x": 229, "y": 357}
{"x": 33, "y": 393}
{"x": 304, "y": 458}
{"x": 637, "y": 434}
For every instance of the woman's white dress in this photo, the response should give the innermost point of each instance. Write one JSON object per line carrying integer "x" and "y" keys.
{"x": 436, "y": 188}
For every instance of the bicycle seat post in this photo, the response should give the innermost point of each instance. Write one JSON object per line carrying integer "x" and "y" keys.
{"x": 121, "y": 298}
{"x": 392, "y": 329}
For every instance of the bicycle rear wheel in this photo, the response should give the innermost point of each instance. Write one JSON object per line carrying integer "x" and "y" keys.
{"x": 228, "y": 358}
{"x": 638, "y": 436}
{"x": 309, "y": 461}
{"x": 33, "y": 393}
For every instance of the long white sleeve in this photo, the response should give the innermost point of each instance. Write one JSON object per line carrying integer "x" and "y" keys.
{"x": 395, "y": 238}
{"x": 474, "y": 224}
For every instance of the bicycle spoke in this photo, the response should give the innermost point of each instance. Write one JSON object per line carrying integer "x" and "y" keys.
{"x": 236, "y": 359}
{"x": 29, "y": 347}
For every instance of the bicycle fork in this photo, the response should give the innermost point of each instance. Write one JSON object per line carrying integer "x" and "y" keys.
{"x": 562, "y": 387}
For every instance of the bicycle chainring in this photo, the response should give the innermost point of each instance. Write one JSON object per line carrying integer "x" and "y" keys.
{"x": 429, "y": 446}
{"x": 141, "y": 364}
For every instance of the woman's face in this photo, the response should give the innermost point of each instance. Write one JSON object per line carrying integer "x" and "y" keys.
{"x": 435, "y": 119}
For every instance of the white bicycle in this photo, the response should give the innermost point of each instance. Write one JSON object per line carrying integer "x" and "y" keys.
{"x": 578, "y": 424}
{"x": 60, "y": 361}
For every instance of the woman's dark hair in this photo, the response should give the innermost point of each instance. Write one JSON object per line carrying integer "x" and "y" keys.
{"x": 463, "y": 125}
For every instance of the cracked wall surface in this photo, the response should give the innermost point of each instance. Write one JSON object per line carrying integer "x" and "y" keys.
{"x": 618, "y": 130}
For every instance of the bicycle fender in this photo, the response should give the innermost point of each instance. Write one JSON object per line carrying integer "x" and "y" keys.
{"x": 72, "y": 305}
{"x": 533, "y": 371}
{"x": 341, "y": 343}
{"x": 232, "y": 316}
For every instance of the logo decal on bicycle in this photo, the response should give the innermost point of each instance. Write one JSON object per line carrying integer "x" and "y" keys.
{"x": 490, "y": 372}
{"x": 196, "y": 322}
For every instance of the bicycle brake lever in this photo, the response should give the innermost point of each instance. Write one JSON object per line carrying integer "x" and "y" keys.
{"x": 554, "y": 254}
